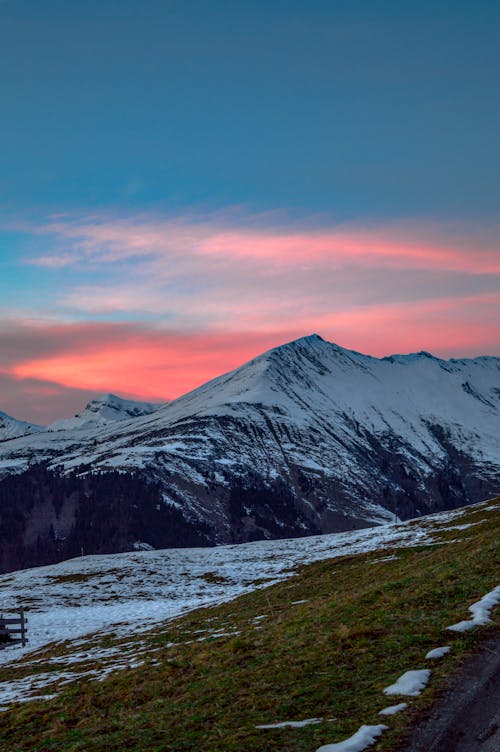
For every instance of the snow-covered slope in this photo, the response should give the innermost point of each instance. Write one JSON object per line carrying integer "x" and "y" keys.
{"x": 88, "y": 598}
{"x": 306, "y": 438}
{"x": 106, "y": 409}
{"x": 10, "y": 428}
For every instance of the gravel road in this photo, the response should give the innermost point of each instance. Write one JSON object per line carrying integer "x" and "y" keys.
{"x": 467, "y": 717}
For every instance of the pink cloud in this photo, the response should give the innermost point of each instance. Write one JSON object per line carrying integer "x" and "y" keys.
{"x": 215, "y": 273}
{"x": 136, "y": 360}
{"x": 104, "y": 239}
{"x": 446, "y": 327}
{"x": 343, "y": 247}
{"x": 219, "y": 290}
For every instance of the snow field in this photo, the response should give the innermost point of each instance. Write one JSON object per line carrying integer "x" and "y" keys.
{"x": 127, "y": 593}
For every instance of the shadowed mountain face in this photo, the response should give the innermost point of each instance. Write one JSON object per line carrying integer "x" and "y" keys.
{"x": 306, "y": 438}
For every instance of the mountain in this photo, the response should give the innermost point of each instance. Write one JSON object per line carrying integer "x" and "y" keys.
{"x": 10, "y": 428}
{"x": 106, "y": 409}
{"x": 306, "y": 438}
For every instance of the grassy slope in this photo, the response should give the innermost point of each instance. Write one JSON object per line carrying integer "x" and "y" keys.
{"x": 362, "y": 625}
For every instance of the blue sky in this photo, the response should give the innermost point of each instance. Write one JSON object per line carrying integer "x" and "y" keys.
{"x": 349, "y": 108}
{"x": 239, "y": 173}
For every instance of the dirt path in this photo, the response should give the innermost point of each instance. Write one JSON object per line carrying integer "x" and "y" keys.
{"x": 467, "y": 717}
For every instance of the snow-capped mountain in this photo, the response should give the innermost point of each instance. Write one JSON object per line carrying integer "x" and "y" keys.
{"x": 10, "y": 428}
{"x": 306, "y": 438}
{"x": 103, "y": 410}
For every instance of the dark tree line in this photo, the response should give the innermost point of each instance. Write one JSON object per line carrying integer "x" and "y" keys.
{"x": 47, "y": 516}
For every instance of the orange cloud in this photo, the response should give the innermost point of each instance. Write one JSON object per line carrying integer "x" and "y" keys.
{"x": 154, "y": 365}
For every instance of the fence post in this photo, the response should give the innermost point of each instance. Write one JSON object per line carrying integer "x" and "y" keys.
{"x": 23, "y": 626}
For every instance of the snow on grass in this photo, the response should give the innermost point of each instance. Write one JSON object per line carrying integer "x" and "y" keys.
{"x": 411, "y": 683}
{"x": 126, "y": 593}
{"x": 480, "y": 612}
{"x": 28, "y": 688}
{"x": 364, "y": 737}
{"x": 465, "y": 527}
{"x": 292, "y": 724}
{"x": 437, "y": 652}
{"x": 393, "y": 709}
{"x": 86, "y": 599}
{"x": 384, "y": 558}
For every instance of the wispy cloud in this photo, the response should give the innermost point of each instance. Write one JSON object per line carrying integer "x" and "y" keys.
{"x": 197, "y": 270}
{"x": 153, "y": 306}
{"x": 104, "y": 239}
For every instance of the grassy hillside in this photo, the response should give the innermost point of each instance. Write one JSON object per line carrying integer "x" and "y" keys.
{"x": 322, "y": 644}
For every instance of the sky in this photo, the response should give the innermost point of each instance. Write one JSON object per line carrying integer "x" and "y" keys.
{"x": 186, "y": 184}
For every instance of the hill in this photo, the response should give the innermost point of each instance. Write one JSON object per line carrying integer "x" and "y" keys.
{"x": 272, "y": 633}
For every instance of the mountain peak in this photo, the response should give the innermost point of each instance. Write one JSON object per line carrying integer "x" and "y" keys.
{"x": 313, "y": 338}
{"x": 310, "y": 339}
{"x": 108, "y": 408}
{"x": 11, "y": 428}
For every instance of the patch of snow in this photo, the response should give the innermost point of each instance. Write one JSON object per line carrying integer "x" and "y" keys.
{"x": 364, "y": 737}
{"x": 480, "y": 612}
{"x": 310, "y": 464}
{"x": 464, "y": 527}
{"x": 437, "y": 652}
{"x": 393, "y": 709}
{"x": 411, "y": 683}
{"x": 384, "y": 558}
{"x": 22, "y": 690}
{"x": 291, "y": 724}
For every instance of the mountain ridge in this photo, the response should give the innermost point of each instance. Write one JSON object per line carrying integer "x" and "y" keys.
{"x": 305, "y": 438}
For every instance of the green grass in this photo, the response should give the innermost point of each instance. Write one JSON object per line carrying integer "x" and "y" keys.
{"x": 362, "y": 625}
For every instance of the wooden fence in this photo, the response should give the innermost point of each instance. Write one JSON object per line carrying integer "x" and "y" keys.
{"x": 14, "y": 627}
